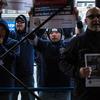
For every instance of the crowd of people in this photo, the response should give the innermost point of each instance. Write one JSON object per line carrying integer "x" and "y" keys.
{"x": 60, "y": 61}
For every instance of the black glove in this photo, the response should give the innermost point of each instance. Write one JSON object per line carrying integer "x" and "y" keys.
{"x": 31, "y": 36}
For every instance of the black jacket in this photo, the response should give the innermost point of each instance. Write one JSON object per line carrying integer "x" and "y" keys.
{"x": 9, "y": 60}
{"x": 50, "y": 74}
{"x": 72, "y": 58}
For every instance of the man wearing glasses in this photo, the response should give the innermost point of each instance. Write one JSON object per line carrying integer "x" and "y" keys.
{"x": 77, "y": 58}
{"x": 24, "y": 67}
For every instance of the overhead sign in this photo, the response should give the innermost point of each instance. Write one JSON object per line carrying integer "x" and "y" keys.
{"x": 19, "y": 4}
{"x": 48, "y": 8}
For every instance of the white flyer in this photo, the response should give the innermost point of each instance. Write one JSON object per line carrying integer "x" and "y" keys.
{"x": 93, "y": 61}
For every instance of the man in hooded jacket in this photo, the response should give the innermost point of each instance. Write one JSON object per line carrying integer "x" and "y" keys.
{"x": 8, "y": 61}
{"x": 50, "y": 74}
{"x": 25, "y": 64}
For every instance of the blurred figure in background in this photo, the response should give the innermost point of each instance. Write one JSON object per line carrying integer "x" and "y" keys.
{"x": 8, "y": 61}
{"x": 79, "y": 26}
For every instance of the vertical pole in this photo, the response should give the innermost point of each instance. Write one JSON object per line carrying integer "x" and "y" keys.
{"x": 0, "y": 13}
{"x": 1, "y": 5}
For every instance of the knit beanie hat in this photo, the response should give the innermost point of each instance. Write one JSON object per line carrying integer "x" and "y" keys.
{"x": 49, "y": 31}
{"x": 23, "y": 19}
{"x": 54, "y": 30}
{"x": 20, "y": 18}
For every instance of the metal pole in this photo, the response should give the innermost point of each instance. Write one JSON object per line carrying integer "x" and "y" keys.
{"x": 3, "y": 55}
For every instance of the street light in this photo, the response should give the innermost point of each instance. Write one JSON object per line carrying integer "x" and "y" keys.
{"x": 3, "y": 3}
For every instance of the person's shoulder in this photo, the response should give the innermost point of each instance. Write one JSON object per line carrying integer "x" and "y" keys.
{"x": 78, "y": 36}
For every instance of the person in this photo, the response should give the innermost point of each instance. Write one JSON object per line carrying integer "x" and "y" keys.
{"x": 73, "y": 57}
{"x": 79, "y": 26}
{"x": 50, "y": 74}
{"x": 8, "y": 61}
{"x": 25, "y": 66}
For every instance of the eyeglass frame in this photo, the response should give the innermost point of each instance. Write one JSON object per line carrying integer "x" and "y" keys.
{"x": 92, "y": 16}
{"x": 20, "y": 21}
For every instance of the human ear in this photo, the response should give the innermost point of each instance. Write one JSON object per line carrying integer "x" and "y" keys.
{"x": 85, "y": 21}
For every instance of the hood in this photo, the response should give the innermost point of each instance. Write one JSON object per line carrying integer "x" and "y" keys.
{"x": 4, "y": 23}
{"x": 23, "y": 18}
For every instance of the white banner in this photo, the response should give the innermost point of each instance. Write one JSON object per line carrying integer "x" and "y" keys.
{"x": 59, "y": 21}
{"x": 19, "y": 4}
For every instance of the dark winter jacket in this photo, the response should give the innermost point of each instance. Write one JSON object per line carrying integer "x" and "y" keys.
{"x": 9, "y": 59}
{"x": 26, "y": 59}
{"x": 73, "y": 57}
{"x": 25, "y": 63}
{"x": 50, "y": 74}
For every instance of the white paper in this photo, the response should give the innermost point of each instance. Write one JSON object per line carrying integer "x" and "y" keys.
{"x": 93, "y": 61}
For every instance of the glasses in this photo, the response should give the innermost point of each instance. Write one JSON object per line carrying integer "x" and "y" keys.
{"x": 93, "y": 16}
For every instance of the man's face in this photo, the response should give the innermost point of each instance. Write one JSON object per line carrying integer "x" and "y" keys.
{"x": 20, "y": 25}
{"x": 93, "y": 19}
{"x": 2, "y": 33}
{"x": 55, "y": 36}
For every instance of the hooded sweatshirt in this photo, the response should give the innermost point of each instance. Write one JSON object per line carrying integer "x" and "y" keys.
{"x": 9, "y": 59}
{"x": 25, "y": 63}
{"x": 50, "y": 74}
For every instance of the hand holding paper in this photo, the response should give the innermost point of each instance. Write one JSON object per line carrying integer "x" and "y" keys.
{"x": 85, "y": 72}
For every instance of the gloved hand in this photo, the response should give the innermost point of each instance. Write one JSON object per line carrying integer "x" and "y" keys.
{"x": 31, "y": 36}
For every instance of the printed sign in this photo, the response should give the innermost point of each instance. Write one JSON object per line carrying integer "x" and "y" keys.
{"x": 47, "y": 10}
{"x": 64, "y": 19}
{"x": 93, "y": 61}
{"x": 59, "y": 21}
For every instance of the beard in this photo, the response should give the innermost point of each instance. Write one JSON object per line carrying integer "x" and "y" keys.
{"x": 96, "y": 28}
{"x": 96, "y": 25}
{"x": 20, "y": 30}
